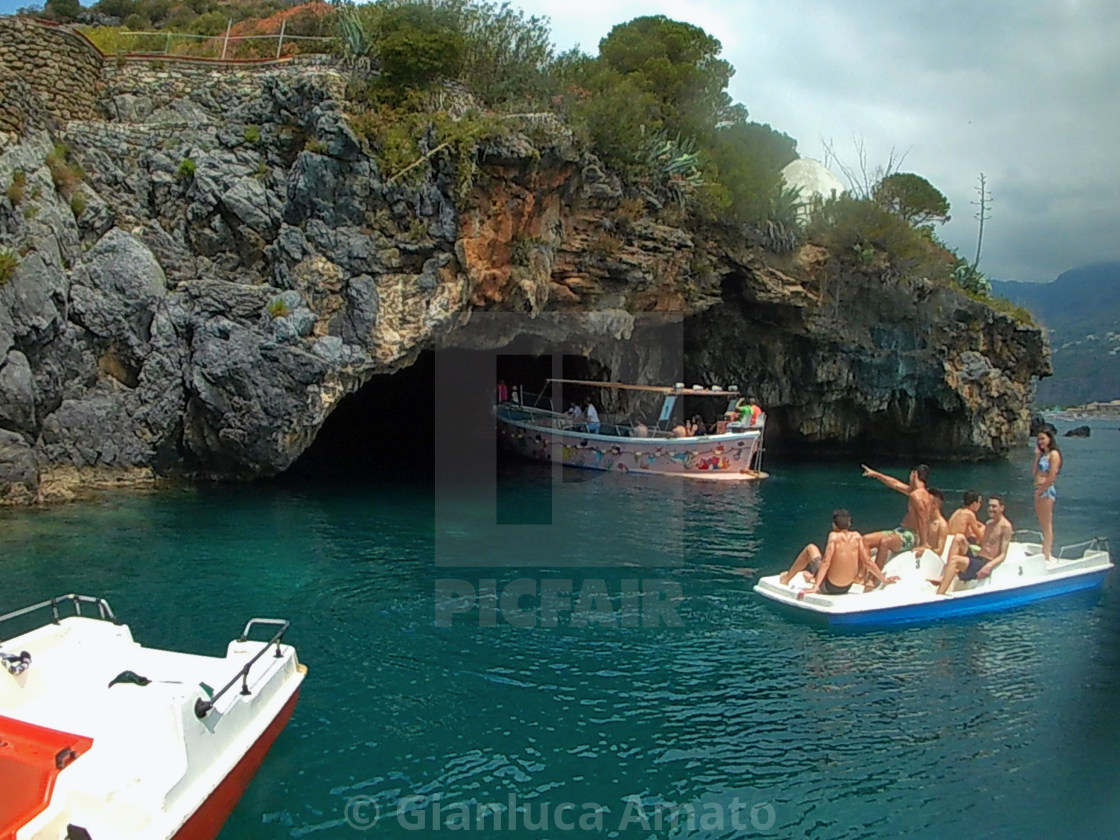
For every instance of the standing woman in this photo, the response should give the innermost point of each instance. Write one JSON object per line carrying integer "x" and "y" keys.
{"x": 1047, "y": 464}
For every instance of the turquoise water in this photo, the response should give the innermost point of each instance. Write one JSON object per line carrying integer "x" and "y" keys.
{"x": 995, "y": 726}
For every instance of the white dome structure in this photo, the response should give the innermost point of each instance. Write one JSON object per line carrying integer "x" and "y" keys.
{"x": 813, "y": 178}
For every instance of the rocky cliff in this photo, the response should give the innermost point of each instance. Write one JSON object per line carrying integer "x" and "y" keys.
{"x": 233, "y": 262}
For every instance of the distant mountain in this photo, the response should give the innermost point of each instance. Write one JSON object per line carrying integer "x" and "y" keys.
{"x": 1081, "y": 309}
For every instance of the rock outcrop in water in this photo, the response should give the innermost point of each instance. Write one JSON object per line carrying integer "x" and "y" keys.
{"x": 234, "y": 262}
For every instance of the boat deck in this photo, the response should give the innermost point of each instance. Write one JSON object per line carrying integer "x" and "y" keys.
{"x": 152, "y": 758}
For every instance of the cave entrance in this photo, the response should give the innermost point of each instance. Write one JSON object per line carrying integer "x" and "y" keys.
{"x": 386, "y": 430}
{"x": 380, "y": 433}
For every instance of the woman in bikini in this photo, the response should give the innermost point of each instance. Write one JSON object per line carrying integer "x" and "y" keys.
{"x": 1047, "y": 463}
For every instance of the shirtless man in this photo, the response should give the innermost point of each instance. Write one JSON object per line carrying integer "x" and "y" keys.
{"x": 845, "y": 560}
{"x": 964, "y": 524}
{"x": 914, "y": 530}
{"x": 938, "y": 526}
{"x": 994, "y": 543}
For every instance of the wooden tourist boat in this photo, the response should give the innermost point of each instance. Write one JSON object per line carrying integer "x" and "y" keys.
{"x": 732, "y": 453}
{"x": 102, "y": 738}
{"x": 1023, "y": 577}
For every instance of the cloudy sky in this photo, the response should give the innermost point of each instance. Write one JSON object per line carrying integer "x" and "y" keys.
{"x": 1025, "y": 91}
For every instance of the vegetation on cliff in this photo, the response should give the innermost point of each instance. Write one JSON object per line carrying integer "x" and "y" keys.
{"x": 437, "y": 76}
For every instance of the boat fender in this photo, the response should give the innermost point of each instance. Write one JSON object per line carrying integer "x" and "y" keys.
{"x": 128, "y": 678}
{"x": 76, "y": 832}
{"x": 16, "y": 665}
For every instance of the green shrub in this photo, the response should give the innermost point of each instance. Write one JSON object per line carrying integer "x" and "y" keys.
{"x": 315, "y": 146}
{"x": 858, "y": 229}
{"x": 66, "y": 174}
{"x": 9, "y": 261}
{"x": 277, "y": 308}
{"x": 186, "y": 169}
{"x": 252, "y": 134}
{"x": 77, "y": 204}
{"x": 417, "y": 45}
{"x": 15, "y": 189}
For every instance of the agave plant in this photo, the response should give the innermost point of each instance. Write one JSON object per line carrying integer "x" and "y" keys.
{"x": 356, "y": 41}
{"x": 787, "y": 207}
{"x": 673, "y": 164}
{"x": 971, "y": 280}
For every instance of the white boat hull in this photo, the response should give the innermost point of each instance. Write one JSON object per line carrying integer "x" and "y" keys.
{"x": 164, "y": 762}
{"x": 726, "y": 457}
{"x": 1025, "y": 576}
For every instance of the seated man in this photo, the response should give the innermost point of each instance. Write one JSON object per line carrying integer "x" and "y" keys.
{"x": 994, "y": 543}
{"x": 914, "y": 530}
{"x": 845, "y": 561}
{"x": 964, "y": 527}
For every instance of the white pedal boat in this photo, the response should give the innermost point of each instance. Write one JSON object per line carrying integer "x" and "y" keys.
{"x": 1023, "y": 577}
{"x": 102, "y": 739}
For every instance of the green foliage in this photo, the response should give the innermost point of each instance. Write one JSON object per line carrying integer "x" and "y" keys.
{"x": 787, "y": 207}
{"x": 315, "y": 146}
{"x": 406, "y": 137}
{"x": 77, "y": 204}
{"x": 66, "y": 174}
{"x": 971, "y": 280}
{"x": 252, "y": 134}
{"x": 9, "y": 262}
{"x": 417, "y": 44}
{"x": 115, "y": 8}
{"x": 492, "y": 48}
{"x": 859, "y": 231}
{"x": 678, "y": 64}
{"x": 746, "y": 161}
{"x": 186, "y": 169}
{"x": 16, "y": 187}
{"x": 62, "y": 10}
{"x": 277, "y": 308}
{"x": 913, "y": 198}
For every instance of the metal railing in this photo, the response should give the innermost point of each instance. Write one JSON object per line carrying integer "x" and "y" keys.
{"x": 105, "y": 612}
{"x": 226, "y": 40}
{"x": 202, "y": 706}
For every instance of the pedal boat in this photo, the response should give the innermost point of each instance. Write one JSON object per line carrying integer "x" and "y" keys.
{"x": 102, "y": 739}
{"x": 1025, "y": 576}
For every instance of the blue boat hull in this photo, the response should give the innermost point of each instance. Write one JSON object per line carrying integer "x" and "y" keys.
{"x": 999, "y": 599}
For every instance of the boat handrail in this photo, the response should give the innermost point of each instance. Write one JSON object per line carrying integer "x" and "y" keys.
{"x": 105, "y": 612}
{"x": 202, "y": 706}
{"x": 1095, "y": 544}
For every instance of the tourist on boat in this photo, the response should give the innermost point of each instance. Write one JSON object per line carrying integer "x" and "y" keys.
{"x": 698, "y": 426}
{"x": 914, "y": 530}
{"x": 977, "y": 565}
{"x": 641, "y": 430}
{"x": 1047, "y": 464}
{"x": 574, "y": 413}
{"x": 964, "y": 527}
{"x": 503, "y": 391}
{"x": 845, "y": 560}
{"x": 938, "y": 526}
{"x": 591, "y": 415}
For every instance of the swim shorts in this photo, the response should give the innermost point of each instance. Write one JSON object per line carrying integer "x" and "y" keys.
{"x": 1049, "y": 493}
{"x": 975, "y": 564}
{"x": 909, "y": 538}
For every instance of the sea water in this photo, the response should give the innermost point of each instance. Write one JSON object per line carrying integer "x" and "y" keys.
{"x": 710, "y": 715}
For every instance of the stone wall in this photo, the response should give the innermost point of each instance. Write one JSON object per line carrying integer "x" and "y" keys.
{"x": 62, "y": 72}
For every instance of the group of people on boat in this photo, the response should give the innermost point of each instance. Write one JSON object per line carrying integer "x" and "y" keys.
{"x": 975, "y": 548}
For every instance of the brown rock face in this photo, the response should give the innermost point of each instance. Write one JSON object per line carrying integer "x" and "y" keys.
{"x": 223, "y": 289}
